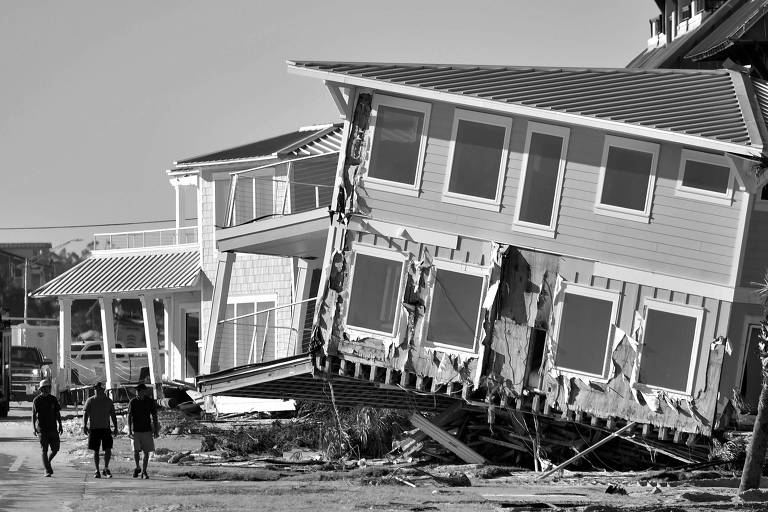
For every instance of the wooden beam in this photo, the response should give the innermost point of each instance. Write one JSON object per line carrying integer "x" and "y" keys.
{"x": 153, "y": 346}
{"x": 218, "y": 309}
{"x": 108, "y": 340}
{"x": 445, "y": 439}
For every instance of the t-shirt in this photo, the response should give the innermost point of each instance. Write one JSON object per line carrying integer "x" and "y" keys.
{"x": 99, "y": 410}
{"x": 47, "y": 409}
{"x": 141, "y": 411}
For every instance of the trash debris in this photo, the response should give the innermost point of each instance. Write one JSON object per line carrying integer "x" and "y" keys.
{"x": 615, "y": 489}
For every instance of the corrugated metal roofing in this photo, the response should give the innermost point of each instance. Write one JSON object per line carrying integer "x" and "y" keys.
{"x": 761, "y": 93}
{"x": 126, "y": 273}
{"x": 694, "y": 102}
{"x": 323, "y": 145}
{"x": 730, "y": 30}
{"x": 317, "y": 137}
{"x": 661, "y": 57}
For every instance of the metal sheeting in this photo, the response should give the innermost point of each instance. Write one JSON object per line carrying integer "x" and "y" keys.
{"x": 126, "y": 273}
{"x": 326, "y": 144}
{"x": 700, "y": 103}
{"x": 730, "y": 30}
{"x": 761, "y": 93}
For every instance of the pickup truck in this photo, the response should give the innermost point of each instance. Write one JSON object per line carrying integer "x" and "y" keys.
{"x": 27, "y": 369}
{"x": 88, "y": 365}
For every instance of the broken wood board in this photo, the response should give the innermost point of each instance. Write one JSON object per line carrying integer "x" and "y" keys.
{"x": 445, "y": 439}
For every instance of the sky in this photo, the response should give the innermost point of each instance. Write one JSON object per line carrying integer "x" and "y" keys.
{"x": 98, "y": 99}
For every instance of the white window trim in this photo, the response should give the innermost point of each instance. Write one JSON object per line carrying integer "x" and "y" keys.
{"x": 701, "y": 194}
{"x": 393, "y": 186}
{"x": 473, "y": 201}
{"x": 595, "y": 293}
{"x": 462, "y": 268}
{"x": 250, "y": 299}
{"x": 618, "y": 211}
{"x": 681, "y": 310}
{"x": 387, "y": 254}
{"x": 530, "y": 227}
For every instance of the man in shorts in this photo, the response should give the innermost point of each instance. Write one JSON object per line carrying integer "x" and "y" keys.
{"x": 46, "y": 413}
{"x": 143, "y": 427}
{"x": 99, "y": 409}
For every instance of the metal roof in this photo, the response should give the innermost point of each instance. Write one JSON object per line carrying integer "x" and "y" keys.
{"x": 314, "y": 140}
{"x": 104, "y": 274}
{"x": 700, "y": 103}
{"x": 761, "y": 94}
{"x": 730, "y": 30}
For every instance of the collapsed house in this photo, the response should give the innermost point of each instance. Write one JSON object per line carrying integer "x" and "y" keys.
{"x": 576, "y": 244}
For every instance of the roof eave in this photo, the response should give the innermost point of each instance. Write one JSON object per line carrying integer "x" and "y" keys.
{"x": 534, "y": 112}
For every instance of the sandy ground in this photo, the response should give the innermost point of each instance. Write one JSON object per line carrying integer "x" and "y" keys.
{"x": 282, "y": 487}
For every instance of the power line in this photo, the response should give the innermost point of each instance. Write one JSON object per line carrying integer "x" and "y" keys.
{"x": 20, "y": 228}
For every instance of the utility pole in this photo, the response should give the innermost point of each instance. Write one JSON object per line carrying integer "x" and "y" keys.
{"x": 26, "y": 291}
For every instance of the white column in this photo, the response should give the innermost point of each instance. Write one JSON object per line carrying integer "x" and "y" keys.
{"x": 218, "y": 307}
{"x": 63, "y": 366}
{"x": 153, "y": 347}
{"x": 108, "y": 340}
{"x": 172, "y": 340}
{"x": 299, "y": 311}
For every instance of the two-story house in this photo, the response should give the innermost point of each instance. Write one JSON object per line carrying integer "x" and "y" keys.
{"x": 171, "y": 272}
{"x": 563, "y": 240}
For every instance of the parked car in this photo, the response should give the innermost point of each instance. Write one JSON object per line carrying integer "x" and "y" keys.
{"x": 87, "y": 360}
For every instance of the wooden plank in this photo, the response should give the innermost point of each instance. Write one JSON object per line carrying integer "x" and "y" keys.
{"x": 446, "y": 440}
{"x": 506, "y": 444}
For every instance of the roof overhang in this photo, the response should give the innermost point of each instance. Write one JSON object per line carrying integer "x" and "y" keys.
{"x": 532, "y": 112}
{"x": 298, "y": 235}
{"x": 298, "y": 377}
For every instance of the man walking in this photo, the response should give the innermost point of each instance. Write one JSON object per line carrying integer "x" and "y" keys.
{"x": 46, "y": 413}
{"x": 99, "y": 409}
{"x": 143, "y": 427}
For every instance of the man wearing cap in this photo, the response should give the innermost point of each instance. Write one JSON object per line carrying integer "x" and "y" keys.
{"x": 46, "y": 413}
{"x": 99, "y": 409}
{"x": 142, "y": 427}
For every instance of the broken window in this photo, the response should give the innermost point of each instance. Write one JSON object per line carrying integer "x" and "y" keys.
{"x": 454, "y": 315}
{"x": 670, "y": 346}
{"x": 375, "y": 291}
{"x": 705, "y": 176}
{"x": 399, "y": 139}
{"x": 626, "y": 178}
{"x": 541, "y": 180}
{"x": 478, "y": 157}
{"x": 585, "y": 319}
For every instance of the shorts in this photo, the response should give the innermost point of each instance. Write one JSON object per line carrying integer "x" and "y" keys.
{"x": 143, "y": 442}
{"x": 100, "y": 436}
{"x": 50, "y": 440}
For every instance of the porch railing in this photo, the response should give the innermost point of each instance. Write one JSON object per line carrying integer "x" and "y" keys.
{"x": 252, "y": 197}
{"x": 143, "y": 239}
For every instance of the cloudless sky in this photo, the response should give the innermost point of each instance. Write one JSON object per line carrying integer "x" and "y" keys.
{"x": 98, "y": 99}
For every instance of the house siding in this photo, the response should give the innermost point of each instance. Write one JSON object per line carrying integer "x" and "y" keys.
{"x": 268, "y": 278}
{"x": 685, "y": 238}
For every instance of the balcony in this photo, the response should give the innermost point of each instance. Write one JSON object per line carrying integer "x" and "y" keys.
{"x": 280, "y": 212}
{"x": 128, "y": 240}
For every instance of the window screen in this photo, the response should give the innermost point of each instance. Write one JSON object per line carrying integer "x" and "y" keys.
{"x": 477, "y": 159}
{"x": 540, "y": 184}
{"x": 396, "y": 144}
{"x": 583, "y": 335}
{"x": 667, "y": 348}
{"x": 705, "y": 176}
{"x": 627, "y": 173}
{"x": 455, "y": 309}
{"x": 373, "y": 300}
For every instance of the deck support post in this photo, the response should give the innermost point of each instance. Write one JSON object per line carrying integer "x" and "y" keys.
{"x": 108, "y": 341}
{"x": 153, "y": 346}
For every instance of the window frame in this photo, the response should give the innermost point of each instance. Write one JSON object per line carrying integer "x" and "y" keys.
{"x": 529, "y": 227}
{"x": 462, "y": 268}
{"x": 621, "y": 212}
{"x": 382, "y": 253}
{"x": 254, "y": 300}
{"x": 698, "y": 193}
{"x": 469, "y": 200}
{"x": 402, "y": 104}
{"x": 595, "y": 293}
{"x": 761, "y": 205}
{"x": 680, "y": 310}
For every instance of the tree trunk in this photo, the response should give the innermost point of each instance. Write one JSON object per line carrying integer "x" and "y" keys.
{"x": 753, "y": 466}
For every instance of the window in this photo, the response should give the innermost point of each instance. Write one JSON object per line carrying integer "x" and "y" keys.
{"x": 685, "y": 11}
{"x": 705, "y": 176}
{"x": 670, "y": 346}
{"x": 585, "y": 319}
{"x": 455, "y": 306}
{"x": 399, "y": 140}
{"x": 221, "y": 200}
{"x": 477, "y": 159}
{"x": 761, "y": 202}
{"x": 376, "y": 289}
{"x": 627, "y": 177}
{"x": 538, "y": 197}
